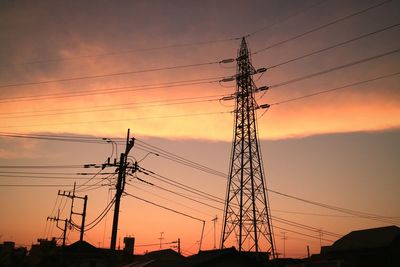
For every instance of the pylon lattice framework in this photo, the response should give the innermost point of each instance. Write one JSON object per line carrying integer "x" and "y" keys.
{"x": 247, "y": 220}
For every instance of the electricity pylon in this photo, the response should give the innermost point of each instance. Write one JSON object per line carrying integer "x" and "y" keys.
{"x": 247, "y": 217}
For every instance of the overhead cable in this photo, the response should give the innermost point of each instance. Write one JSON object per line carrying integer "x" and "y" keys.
{"x": 334, "y": 46}
{"x": 89, "y": 108}
{"x": 334, "y": 89}
{"x": 137, "y": 106}
{"x": 163, "y": 207}
{"x": 109, "y": 74}
{"x": 339, "y": 209}
{"x": 117, "y": 120}
{"x": 112, "y": 90}
{"x": 321, "y": 27}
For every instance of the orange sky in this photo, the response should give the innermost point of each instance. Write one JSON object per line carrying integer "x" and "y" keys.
{"x": 69, "y": 32}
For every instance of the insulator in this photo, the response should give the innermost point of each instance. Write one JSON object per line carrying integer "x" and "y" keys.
{"x": 227, "y": 60}
{"x": 260, "y": 70}
{"x": 262, "y": 88}
{"x": 227, "y": 79}
{"x": 226, "y": 98}
{"x": 265, "y": 106}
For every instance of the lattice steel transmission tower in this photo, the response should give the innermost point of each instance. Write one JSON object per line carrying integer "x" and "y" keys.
{"x": 247, "y": 217}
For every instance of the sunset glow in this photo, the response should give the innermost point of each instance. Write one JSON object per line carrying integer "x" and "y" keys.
{"x": 94, "y": 70}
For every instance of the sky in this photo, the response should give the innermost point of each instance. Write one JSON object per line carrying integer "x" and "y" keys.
{"x": 97, "y": 68}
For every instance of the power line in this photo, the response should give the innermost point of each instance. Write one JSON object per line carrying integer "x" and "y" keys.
{"x": 49, "y": 173}
{"x": 123, "y": 52}
{"x": 285, "y": 221}
{"x": 112, "y": 90}
{"x": 179, "y": 159}
{"x": 80, "y": 166}
{"x": 100, "y": 217}
{"x": 299, "y": 233}
{"x": 141, "y": 145}
{"x": 176, "y": 202}
{"x": 328, "y": 91}
{"x": 44, "y": 177}
{"x": 113, "y": 53}
{"x": 110, "y": 74}
{"x": 40, "y": 166}
{"x": 321, "y": 27}
{"x": 176, "y": 84}
{"x": 157, "y": 244}
{"x": 181, "y": 186}
{"x": 312, "y": 75}
{"x": 51, "y": 215}
{"x": 327, "y": 215}
{"x": 335, "y": 68}
{"x": 303, "y": 226}
{"x": 335, "y": 45}
{"x": 314, "y": 214}
{"x": 335, "y": 208}
{"x": 53, "y": 138}
{"x": 301, "y": 11}
{"x": 183, "y": 196}
{"x": 50, "y": 139}
{"x": 121, "y": 105}
{"x": 295, "y": 224}
{"x": 90, "y": 179}
{"x": 327, "y": 71}
{"x": 197, "y": 64}
{"x": 117, "y": 120}
{"x": 36, "y": 185}
{"x": 114, "y": 108}
{"x": 334, "y": 89}
{"x": 163, "y": 207}
{"x": 186, "y": 163}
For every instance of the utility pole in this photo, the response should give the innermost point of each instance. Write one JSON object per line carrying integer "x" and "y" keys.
{"x": 215, "y": 222}
{"x": 284, "y": 244}
{"x": 202, "y": 234}
{"x": 57, "y": 219}
{"x": 247, "y": 215}
{"x": 83, "y": 214}
{"x": 65, "y": 232}
{"x": 161, "y": 238}
{"x": 320, "y": 238}
{"x": 178, "y": 246}
{"x": 120, "y": 188}
{"x": 83, "y": 217}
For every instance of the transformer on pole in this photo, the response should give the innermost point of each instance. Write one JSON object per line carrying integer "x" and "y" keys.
{"x": 247, "y": 217}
